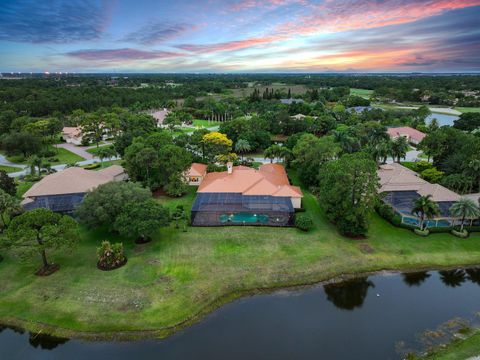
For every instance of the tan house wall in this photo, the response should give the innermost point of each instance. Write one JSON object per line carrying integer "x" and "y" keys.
{"x": 297, "y": 202}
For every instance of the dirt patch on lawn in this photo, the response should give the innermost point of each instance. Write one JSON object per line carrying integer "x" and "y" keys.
{"x": 366, "y": 249}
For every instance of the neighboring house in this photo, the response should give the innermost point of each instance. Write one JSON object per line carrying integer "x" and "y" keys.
{"x": 298, "y": 117}
{"x": 412, "y": 135}
{"x": 291, "y": 101}
{"x": 196, "y": 173}
{"x": 160, "y": 116}
{"x": 402, "y": 186}
{"x": 72, "y": 135}
{"x": 64, "y": 190}
{"x": 359, "y": 109}
{"x": 246, "y": 196}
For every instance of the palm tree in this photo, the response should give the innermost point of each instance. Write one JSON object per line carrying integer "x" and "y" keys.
{"x": 399, "y": 148}
{"x": 473, "y": 170}
{"x": 270, "y": 153}
{"x": 105, "y": 152}
{"x": 242, "y": 146}
{"x": 35, "y": 162}
{"x": 425, "y": 208}
{"x": 465, "y": 208}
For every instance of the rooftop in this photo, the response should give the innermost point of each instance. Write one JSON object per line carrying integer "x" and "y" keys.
{"x": 395, "y": 177}
{"x": 406, "y": 131}
{"x": 73, "y": 180}
{"x": 197, "y": 169}
{"x": 72, "y": 130}
{"x": 269, "y": 179}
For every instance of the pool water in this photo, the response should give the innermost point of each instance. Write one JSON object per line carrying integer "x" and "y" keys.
{"x": 244, "y": 218}
{"x": 428, "y": 223}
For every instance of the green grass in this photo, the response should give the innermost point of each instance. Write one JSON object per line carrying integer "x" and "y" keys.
{"x": 22, "y": 187}
{"x": 180, "y": 276}
{"x": 95, "y": 150}
{"x": 365, "y": 93}
{"x": 468, "y": 109}
{"x": 9, "y": 169}
{"x": 463, "y": 349}
{"x": 107, "y": 164}
{"x": 205, "y": 123}
{"x": 62, "y": 156}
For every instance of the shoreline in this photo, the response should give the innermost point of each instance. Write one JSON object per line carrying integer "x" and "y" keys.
{"x": 162, "y": 333}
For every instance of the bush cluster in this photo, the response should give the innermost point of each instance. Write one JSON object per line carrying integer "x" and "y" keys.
{"x": 304, "y": 222}
{"x": 110, "y": 256}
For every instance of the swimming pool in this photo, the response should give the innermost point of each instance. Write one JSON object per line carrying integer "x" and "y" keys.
{"x": 244, "y": 218}
{"x": 428, "y": 223}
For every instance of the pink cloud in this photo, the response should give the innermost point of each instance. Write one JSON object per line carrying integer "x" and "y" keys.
{"x": 120, "y": 54}
{"x": 229, "y": 45}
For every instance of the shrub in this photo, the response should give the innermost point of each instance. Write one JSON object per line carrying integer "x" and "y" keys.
{"x": 47, "y": 153}
{"x": 432, "y": 175}
{"x": 423, "y": 233}
{"x": 304, "y": 222}
{"x": 92, "y": 166}
{"x": 461, "y": 234}
{"x": 110, "y": 256}
{"x": 385, "y": 211}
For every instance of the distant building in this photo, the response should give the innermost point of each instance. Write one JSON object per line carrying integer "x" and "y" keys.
{"x": 160, "y": 116}
{"x": 196, "y": 173}
{"x": 412, "y": 135}
{"x": 64, "y": 190}
{"x": 359, "y": 109}
{"x": 72, "y": 135}
{"x": 291, "y": 101}
{"x": 298, "y": 117}
{"x": 246, "y": 196}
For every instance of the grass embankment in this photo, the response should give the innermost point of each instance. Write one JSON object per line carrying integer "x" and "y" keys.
{"x": 463, "y": 349}
{"x": 10, "y": 169}
{"x": 467, "y": 109}
{"x": 176, "y": 279}
{"x": 205, "y": 123}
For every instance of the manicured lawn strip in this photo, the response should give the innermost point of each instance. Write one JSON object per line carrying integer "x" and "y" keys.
{"x": 22, "y": 187}
{"x": 180, "y": 276}
{"x": 10, "y": 169}
{"x": 462, "y": 349}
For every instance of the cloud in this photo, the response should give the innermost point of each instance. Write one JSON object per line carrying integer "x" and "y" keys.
{"x": 157, "y": 32}
{"x": 248, "y": 4}
{"x": 41, "y": 21}
{"x": 120, "y": 54}
{"x": 228, "y": 45}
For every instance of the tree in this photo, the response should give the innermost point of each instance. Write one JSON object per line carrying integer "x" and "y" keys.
{"x": 176, "y": 185}
{"x": 21, "y": 142}
{"x": 7, "y": 183}
{"x": 9, "y": 207}
{"x": 467, "y": 122}
{"x": 399, "y": 148}
{"x": 425, "y": 208}
{"x": 242, "y": 146}
{"x": 105, "y": 152}
{"x": 473, "y": 170}
{"x": 36, "y": 163}
{"x": 432, "y": 175}
{"x": 93, "y": 128}
{"x": 465, "y": 208}
{"x": 348, "y": 190}
{"x": 216, "y": 143}
{"x": 178, "y": 214}
{"x": 141, "y": 220}
{"x": 38, "y": 231}
{"x": 101, "y": 206}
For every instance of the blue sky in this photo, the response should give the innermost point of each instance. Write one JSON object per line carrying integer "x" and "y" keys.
{"x": 240, "y": 35}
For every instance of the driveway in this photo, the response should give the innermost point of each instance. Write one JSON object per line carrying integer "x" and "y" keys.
{"x": 78, "y": 150}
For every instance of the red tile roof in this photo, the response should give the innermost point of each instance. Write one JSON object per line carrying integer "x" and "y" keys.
{"x": 412, "y": 133}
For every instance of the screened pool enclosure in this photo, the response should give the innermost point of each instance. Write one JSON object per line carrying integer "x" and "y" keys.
{"x": 223, "y": 209}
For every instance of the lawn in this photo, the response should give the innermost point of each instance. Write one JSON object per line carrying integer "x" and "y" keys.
{"x": 62, "y": 156}
{"x": 468, "y": 109}
{"x": 205, "y": 123}
{"x": 94, "y": 150}
{"x": 180, "y": 276}
{"x": 9, "y": 169}
{"x": 365, "y": 93}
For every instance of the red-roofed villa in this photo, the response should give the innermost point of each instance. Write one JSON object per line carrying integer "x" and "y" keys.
{"x": 412, "y": 135}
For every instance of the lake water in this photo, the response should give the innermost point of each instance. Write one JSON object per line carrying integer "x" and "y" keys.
{"x": 443, "y": 119}
{"x": 361, "y": 319}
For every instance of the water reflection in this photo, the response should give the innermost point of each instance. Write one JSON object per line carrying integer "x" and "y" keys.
{"x": 38, "y": 340}
{"x": 474, "y": 275}
{"x": 453, "y": 278}
{"x": 350, "y": 294}
{"x": 415, "y": 278}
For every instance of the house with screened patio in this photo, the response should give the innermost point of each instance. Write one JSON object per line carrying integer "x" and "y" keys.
{"x": 246, "y": 196}
{"x": 400, "y": 188}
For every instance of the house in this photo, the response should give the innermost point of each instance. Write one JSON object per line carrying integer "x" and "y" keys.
{"x": 160, "y": 116}
{"x": 246, "y": 196}
{"x": 64, "y": 190}
{"x": 196, "y": 173}
{"x": 412, "y": 135}
{"x": 72, "y": 135}
{"x": 298, "y": 117}
{"x": 291, "y": 101}
{"x": 402, "y": 186}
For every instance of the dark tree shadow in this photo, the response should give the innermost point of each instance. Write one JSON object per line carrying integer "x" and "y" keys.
{"x": 45, "y": 342}
{"x": 350, "y": 294}
{"x": 415, "y": 278}
{"x": 453, "y": 278}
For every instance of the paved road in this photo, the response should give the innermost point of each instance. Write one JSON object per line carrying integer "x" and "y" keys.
{"x": 5, "y": 162}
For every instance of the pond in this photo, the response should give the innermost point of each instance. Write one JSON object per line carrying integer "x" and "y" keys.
{"x": 363, "y": 319}
{"x": 443, "y": 119}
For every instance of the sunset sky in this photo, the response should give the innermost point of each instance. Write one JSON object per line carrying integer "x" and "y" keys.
{"x": 240, "y": 36}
